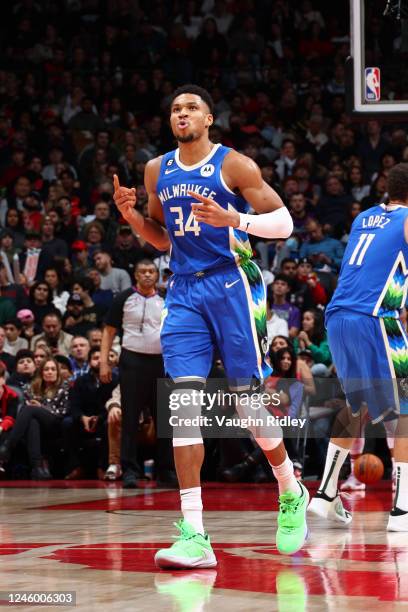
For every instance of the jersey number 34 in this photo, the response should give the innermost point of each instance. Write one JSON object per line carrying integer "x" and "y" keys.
{"x": 191, "y": 224}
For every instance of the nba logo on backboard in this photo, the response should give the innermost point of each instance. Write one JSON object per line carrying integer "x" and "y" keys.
{"x": 372, "y": 85}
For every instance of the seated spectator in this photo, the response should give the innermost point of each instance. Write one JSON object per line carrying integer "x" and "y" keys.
{"x": 103, "y": 216}
{"x": 40, "y": 417}
{"x": 78, "y": 357}
{"x": 378, "y": 193}
{"x": 51, "y": 245}
{"x": 40, "y": 302}
{"x": 88, "y": 416}
{"x": 58, "y": 341}
{"x": 286, "y": 162}
{"x": 357, "y": 186}
{"x": 303, "y": 371}
{"x": 115, "y": 279}
{"x": 41, "y": 352}
{"x": 332, "y": 206}
{"x": 309, "y": 279}
{"x": 284, "y": 381}
{"x": 300, "y": 213}
{"x": 7, "y": 359}
{"x": 92, "y": 313}
{"x": 300, "y": 293}
{"x": 14, "y": 224}
{"x": 101, "y": 297}
{"x": 80, "y": 258}
{"x": 280, "y": 305}
{"x": 14, "y": 342}
{"x": 26, "y": 318}
{"x": 313, "y": 338}
{"x": 94, "y": 237}
{"x": 25, "y": 369}
{"x": 74, "y": 321}
{"x": 113, "y": 406}
{"x": 325, "y": 253}
{"x": 128, "y": 250}
{"x": 275, "y": 325}
{"x": 8, "y": 411}
{"x": 59, "y": 297}
{"x": 65, "y": 367}
{"x": 11, "y": 290}
{"x": 95, "y": 338}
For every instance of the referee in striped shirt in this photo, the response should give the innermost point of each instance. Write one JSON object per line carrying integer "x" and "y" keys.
{"x": 136, "y": 313}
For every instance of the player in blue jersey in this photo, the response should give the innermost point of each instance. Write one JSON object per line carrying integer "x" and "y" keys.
{"x": 369, "y": 344}
{"x": 199, "y": 197}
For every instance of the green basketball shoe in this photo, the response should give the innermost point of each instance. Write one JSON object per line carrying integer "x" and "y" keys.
{"x": 190, "y": 550}
{"x": 292, "y": 527}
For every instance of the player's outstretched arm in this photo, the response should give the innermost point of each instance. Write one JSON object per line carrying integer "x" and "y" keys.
{"x": 150, "y": 228}
{"x": 243, "y": 175}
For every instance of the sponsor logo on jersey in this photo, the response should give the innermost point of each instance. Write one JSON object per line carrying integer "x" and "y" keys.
{"x": 170, "y": 171}
{"x": 207, "y": 170}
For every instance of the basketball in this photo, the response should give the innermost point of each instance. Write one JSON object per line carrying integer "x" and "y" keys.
{"x": 368, "y": 468}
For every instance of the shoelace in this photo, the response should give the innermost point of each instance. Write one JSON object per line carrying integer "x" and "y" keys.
{"x": 184, "y": 533}
{"x": 288, "y": 503}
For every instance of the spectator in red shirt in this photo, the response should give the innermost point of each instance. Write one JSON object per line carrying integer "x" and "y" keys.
{"x": 306, "y": 275}
{"x": 8, "y": 409}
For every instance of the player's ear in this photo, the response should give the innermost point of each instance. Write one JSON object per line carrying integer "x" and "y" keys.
{"x": 209, "y": 121}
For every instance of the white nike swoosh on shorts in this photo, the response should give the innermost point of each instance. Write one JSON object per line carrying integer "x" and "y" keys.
{"x": 228, "y": 285}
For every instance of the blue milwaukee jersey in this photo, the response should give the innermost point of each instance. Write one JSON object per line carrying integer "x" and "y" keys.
{"x": 373, "y": 275}
{"x": 199, "y": 246}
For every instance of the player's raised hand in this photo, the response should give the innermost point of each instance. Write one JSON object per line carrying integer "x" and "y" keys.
{"x": 124, "y": 198}
{"x": 208, "y": 211}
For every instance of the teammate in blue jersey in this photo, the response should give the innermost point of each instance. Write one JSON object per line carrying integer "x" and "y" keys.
{"x": 369, "y": 344}
{"x": 199, "y": 197}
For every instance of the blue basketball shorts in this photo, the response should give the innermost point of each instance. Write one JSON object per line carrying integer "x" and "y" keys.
{"x": 223, "y": 309}
{"x": 371, "y": 359}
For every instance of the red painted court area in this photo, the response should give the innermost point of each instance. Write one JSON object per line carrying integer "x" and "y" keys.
{"x": 113, "y": 534}
{"x": 229, "y": 497}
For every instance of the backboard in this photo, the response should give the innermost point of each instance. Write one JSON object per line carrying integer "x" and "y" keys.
{"x": 377, "y": 71}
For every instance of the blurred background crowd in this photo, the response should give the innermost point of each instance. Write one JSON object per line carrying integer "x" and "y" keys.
{"x": 84, "y": 92}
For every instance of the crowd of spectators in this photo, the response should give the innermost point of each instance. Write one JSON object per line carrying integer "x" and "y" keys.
{"x": 84, "y": 91}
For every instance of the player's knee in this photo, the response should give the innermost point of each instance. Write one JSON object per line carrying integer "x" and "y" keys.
{"x": 185, "y": 403}
{"x": 251, "y": 408}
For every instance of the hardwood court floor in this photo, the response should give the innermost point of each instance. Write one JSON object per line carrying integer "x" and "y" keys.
{"x": 99, "y": 540}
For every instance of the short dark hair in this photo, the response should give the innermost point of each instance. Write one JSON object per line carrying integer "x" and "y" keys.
{"x": 196, "y": 90}
{"x": 85, "y": 283}
{"x": 24, "y": 354}
{"x": 289, "y": 260}
{"x": 54, "y": 313}
{"x": 92, "y": 352}
{"x": 16, "y": 322}
{"x": 397, "y": 183}
{"x": 62, "y": 360}
{"x": 282, "y": 277}
{"x": 145, "y": 262}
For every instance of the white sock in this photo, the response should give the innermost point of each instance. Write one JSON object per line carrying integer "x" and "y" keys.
{"x": 192, "y": 507}
{"x": 336, "y": 456}
{"x": 401, "y": 491}
{"x": 285, "y": 477}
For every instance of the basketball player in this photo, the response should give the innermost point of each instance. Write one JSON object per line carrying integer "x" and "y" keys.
{"x": 369, "y": 344}
{"x": 199, "y": 195}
